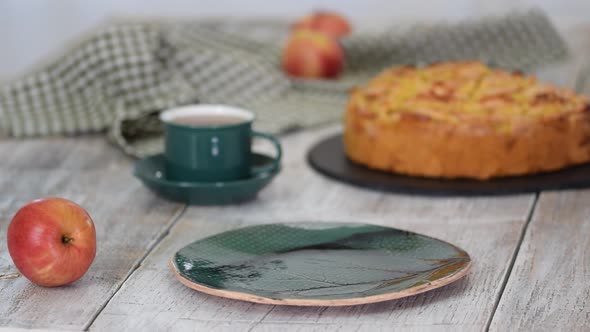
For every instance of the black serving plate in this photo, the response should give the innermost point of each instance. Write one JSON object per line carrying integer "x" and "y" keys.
{"x": 328, "y": 158}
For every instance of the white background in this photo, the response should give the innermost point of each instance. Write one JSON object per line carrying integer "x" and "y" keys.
{"x": 32, "y": 29}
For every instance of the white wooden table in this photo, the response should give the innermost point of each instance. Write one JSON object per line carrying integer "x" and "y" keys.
{"x": 531, "y": 252}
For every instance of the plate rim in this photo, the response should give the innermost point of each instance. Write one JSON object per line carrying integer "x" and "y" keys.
{"x": 200, "y": 185}
{"x": 244, "y": 296}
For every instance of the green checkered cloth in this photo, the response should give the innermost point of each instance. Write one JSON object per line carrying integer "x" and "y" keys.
{"x": 120, "y": 78}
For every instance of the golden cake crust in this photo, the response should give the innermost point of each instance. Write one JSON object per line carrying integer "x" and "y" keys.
{"x": 465, "y": 120}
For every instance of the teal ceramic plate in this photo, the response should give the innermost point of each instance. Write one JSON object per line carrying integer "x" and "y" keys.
{"x": 323, "y": 264}
{"x": 151, "y": 172}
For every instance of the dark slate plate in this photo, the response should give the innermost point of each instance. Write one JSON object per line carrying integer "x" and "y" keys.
{"x": 328, "y": 158}
{"x": 318, "y": 263}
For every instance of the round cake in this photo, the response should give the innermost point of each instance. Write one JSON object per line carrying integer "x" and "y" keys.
{"x": 465, "y": 120}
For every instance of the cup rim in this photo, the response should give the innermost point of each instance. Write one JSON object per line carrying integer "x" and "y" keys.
{"x": 170, "y": 114}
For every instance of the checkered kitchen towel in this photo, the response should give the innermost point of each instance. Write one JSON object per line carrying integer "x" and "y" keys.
{"x": 122, "y": 76}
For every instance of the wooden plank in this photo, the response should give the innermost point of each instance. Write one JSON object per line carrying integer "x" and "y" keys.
{"x": 129, "y": 220}
{"x": 487, "y": 227}
{"x": 549, "y": 288}
{"x": 15, "y": 329}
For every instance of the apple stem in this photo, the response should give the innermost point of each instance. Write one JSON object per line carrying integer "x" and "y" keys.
{"x": 66, "y": 240}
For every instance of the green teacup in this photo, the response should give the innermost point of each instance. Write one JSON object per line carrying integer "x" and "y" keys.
{"x": 209, "y": 143}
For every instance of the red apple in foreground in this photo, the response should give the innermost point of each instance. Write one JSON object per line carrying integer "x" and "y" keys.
{"x": 330, "y": 23}
{"x": 311, "y": 54}
{"x": 52, "y": 241}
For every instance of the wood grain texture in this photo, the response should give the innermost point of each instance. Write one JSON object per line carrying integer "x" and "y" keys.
{"x": 548, "y": 289}
{"x": 487, "y": 228}
{"x": 128, "y": 220}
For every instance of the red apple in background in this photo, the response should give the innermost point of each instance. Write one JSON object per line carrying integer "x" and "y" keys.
{"x": 52, "y": 241}
{"x": 330, "y": 23}
{"x": 312, "y": 54}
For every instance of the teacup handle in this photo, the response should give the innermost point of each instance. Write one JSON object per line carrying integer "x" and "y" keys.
{"x": 276, "y": 163}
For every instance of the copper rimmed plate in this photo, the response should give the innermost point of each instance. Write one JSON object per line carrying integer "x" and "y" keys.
{"x": 318, "y": 264}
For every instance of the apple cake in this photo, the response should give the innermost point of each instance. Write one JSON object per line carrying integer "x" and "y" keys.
{"x": 465, "y": 120}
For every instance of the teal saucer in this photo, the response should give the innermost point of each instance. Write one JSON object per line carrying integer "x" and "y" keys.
{"x": 151, "y": 171}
